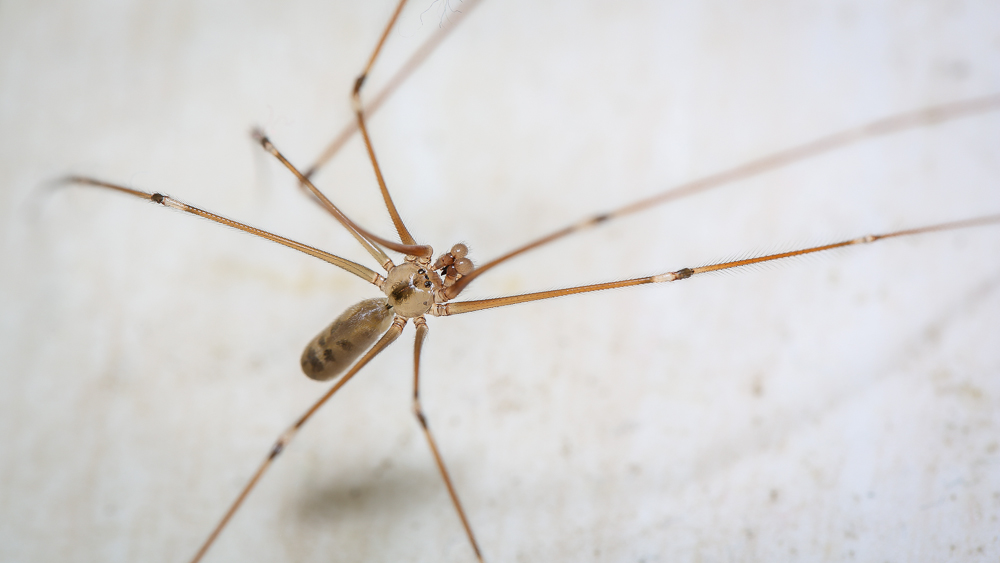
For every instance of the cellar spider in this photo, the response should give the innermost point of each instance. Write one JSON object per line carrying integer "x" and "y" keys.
{"x": 835, "y": 404}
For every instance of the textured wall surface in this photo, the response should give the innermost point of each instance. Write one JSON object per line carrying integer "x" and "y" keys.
{"x": 833, "y": 407}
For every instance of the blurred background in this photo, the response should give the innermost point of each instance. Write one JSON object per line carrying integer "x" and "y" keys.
{"x": 833, "y": 407}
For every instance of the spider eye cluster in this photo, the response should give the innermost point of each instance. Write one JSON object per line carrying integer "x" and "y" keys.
{"x": 410, "y": 289}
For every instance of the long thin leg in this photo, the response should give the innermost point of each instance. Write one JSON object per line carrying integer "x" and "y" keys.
{"x": 404, "y": 72}
{"x": 167, "y": 201}
{"x": 286, "y": 437}
{"x": 443, "y": 309}
{"x": 359, "y": 112}
{"x": 880, "y": 127}
{"x": 418, "y": 410}
{"x": 325, "y": 202}
{"x": 365, "y": 237}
